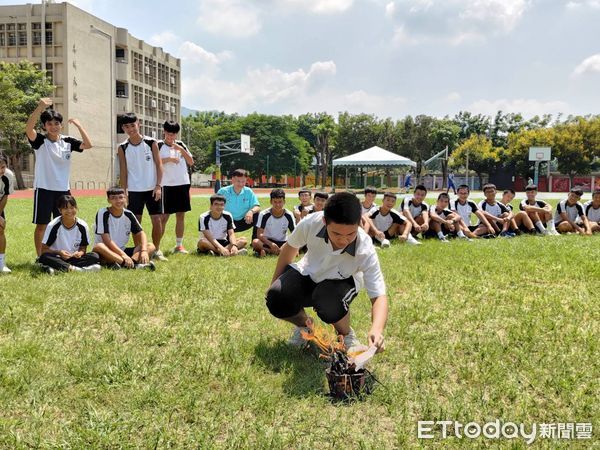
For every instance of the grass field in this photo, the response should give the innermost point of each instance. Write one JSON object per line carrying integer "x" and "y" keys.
{"x": 188, "y": 356}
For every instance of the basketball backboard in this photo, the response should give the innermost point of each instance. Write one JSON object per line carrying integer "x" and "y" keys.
{"x": 245, "y": 144}
{"x": 540, "y": 153}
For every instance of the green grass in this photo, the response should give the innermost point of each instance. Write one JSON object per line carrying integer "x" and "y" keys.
{"x": 188, "y": 356}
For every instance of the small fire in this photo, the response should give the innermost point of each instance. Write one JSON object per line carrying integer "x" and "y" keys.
{"x": 326, "y": 340}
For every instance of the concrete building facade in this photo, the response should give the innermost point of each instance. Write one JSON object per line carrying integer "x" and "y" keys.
{"x": 99, "y": 71}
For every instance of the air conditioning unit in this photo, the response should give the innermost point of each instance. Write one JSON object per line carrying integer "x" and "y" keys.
{"x": 153, "y": 134}
{"x": 172, "y": 110}
{"x": 147, "y": 70}
{"x": 167, "y": 106}
{"x": 172, "y": 80}
{"x": 152, "y": 103}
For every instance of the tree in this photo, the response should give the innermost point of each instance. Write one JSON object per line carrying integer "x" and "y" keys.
{"x": 517, "y": 153}
{"x": 574, "y": 157}
{"x": 21, "y": 87}
{"x": 320, "y": 131}
{"x": 483, "y": 156}
{"x": 444, "y": 133}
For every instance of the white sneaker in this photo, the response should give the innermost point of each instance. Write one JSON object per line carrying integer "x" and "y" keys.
{"x": 159, "y": 256}
{"x": 412, "y": 241}
{"x": 553, "y": 232}
{"x": 92, "y": 268}
{"x": 296, "y": 339}
{"x": 444, "y": 240}
{"x": 242, "y": 252}
{"x": 385, "y": 243}
{"x": 352, "y": 343}
{"x": 5, "y": 270}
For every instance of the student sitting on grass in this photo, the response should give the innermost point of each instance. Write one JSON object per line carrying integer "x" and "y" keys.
{"x": 319, "y": 202}
{"x": 495, "y": 212}
{"x": 216, "y": 231}
{"x": 520, "y": 223}
{"x": 305, "y": 206}
{"x": 538, "y": 211}
{"x": 416, "y": 210}
{"x": 6, "y": 188}
{"x": 273, "y": 225}
{"x": 388, "y": 224}
{"x": 368, "y": 206}
{"x": 465, "y": 207}
{"x": 567, "y": 212}
{"x": 446, "y": 222}
{"x": 114, "y": 225}
{"x": 65, "y": 241}
{"x": 592, "y": 211}
{"x": 340, "y": 260}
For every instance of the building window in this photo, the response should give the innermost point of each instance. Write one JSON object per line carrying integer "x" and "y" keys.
{"x": 120, "y": 54}
{"x": 22, "y": 38}
{"x": 49, "y": 34}
{"x": 122, "y": 91}
{"x": 50, "y": 72}
{"x": 12, "y": 39}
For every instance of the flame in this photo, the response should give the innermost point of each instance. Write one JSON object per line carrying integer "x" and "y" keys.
{"x": 326, "y": 340}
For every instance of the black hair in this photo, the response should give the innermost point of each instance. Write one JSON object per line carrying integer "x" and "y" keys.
{"x": 343, "y": 208}
{"x": 443, "y": 195}
{"x": 277, "y": 193}
{"x": 217, "y": 198}
{"x": 114, "y": 191}
{"x": 128, "y": 118}
{"x": 170, "y": 126}
{"x": 304, "y": 191}
{"x": 390, "y": 194}
{"x": 50, "y": 115}
{"x": 488, "y": 186}
{"x": 509, "y": 191}
{"x": 3, "y": 159}
{"x": 463, "y": 186}
{"x": 531, "y": 187}
{"x": 323, "y": 195}
{"x": 420, "y": 187}
{"x": 239, "y": 173}
{"x": 66, "y": 200}
{"x": 370, "y": 190}
{"x": 577, "y": 191}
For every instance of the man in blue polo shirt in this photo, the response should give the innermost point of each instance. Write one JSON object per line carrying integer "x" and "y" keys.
{"x": 241, "y": 202}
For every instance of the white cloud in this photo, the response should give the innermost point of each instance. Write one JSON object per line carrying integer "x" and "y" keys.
{"x": 580, "y": 4}
{"x": 528, "y": 107}
{"x": 195, "y": 54}
{"x": 453, "y": 97}
{"x": 453, "y": 21}
{"x": 588, "y": 65}
{"x": 363, "y": 102}
{"x": 321, "y": 6}
{"x": 233, "y": 18}
{"x": 163, "y": 39}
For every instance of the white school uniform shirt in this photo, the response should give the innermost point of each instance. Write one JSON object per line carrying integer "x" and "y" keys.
{"x": 496, "y": 210}
{"x": 58, "y": 237}
{"x": 53, "y": 161}
{"x": 464, "y": 210}
{"x": 174, "y": 174}
{"x": 384, "y": 222}
{"x": 416, "y": 210}
{"x": 141, "y": 170}
{"x": 7, "y": 183}
{"x": 592, "y": 214}
{"x": 358, "y": 260}
{"x": 443, "y": 213}
{"x": 119, "y": 228}
{"x": 573, "y": 212}
{"x": 217, "y": 227}
{"x": 368, "y": 210}
{"x": 276, "y": 228}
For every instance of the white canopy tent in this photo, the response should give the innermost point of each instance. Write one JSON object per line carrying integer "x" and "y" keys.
{"x": 371, "y": 157}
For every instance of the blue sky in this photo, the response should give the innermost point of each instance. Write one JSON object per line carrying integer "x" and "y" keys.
{"x": 387, "y": 57}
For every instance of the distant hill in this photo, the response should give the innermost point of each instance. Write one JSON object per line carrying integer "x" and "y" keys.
{"x": 187, "y": 111}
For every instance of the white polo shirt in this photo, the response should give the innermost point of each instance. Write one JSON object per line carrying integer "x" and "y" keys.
{"x": 464, "y": 210}
{"x": 592, "y": 214}
{"x": 276, "y": 228}
{"x": 119, "y": 228}
{"x": 358, "y": 260}
{"x": 384, "y": 222}
{"x": 58, "y": 237}
{"x": 408, "y": 204}
{"x": 141, "y": 170}
{"x": 218, "y": 227}
{"x": 174, "y": 174}
{"x": 573, "y": 211}
{"x": 53, "y": 161}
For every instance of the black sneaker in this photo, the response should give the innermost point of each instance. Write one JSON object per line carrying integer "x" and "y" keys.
{"x": 114, "y": 266}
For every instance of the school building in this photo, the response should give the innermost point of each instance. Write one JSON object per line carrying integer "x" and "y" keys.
{"x": 99, "y": 71}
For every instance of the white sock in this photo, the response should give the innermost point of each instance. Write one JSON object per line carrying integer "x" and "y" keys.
{"x": 460, "y": 234}
{"x": 550, "y": 224}
{"x": 411, "y": 238}
{"x": 540, "y": 226}
{"x": 441, "y": 235}
{"x": 179, "y": 242}
{"x": 1, "y": 261}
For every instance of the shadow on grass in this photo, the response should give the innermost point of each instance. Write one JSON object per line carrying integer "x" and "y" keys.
{"x": 305, "y": 372}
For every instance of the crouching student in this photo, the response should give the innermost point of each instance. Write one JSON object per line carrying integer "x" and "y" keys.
{"x": 217, "y": 236}
{"x": 273, "y": 225}
{"x": 567, "y": 213}
{"x": 444, "y": 222}
{"x": 65, "y": 241}
{"x": 592, "y": 211}
{"x": 114, "y": 225}
{"x": 340, "y": 259}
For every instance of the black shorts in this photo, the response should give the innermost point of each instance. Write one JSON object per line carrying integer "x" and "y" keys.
{"x": 277, "y": 243}
{"x": 129, "y": 251}
{"x": 293, "y": 291}
{"x": 474, "y": 227}
{"x": 241, "y": 225}
{"x": 137, "y": 201}
{"x": 223, "y": 242}
{"x": 176, "y": 198}
{"x": 44, "y": 205}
